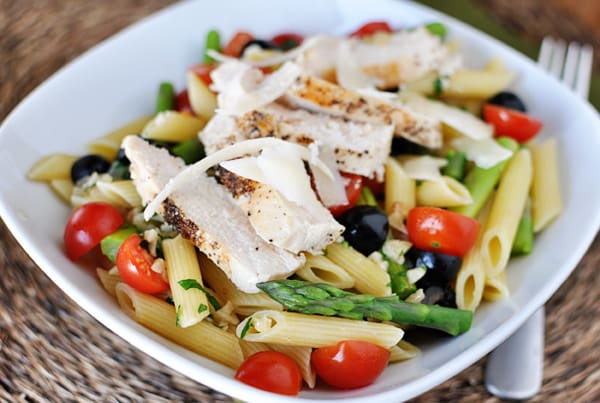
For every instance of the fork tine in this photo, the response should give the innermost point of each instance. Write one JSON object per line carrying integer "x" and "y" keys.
{"x": 584, "y": 71}
{"x": 545, "y": 55}
{"x": 571, "y": 65}
{"x": 558, "y": 56}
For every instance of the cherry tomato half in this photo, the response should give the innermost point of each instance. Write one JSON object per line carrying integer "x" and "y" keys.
{"x": 271, "y": 371}
{"x": 350, "y": 364}
{"x": 438, "y": 230}
{"x": 371, "y": 28}
{"x": 511, "y": 123}
{"x": 353, "y": 185}
{"x": 135, "y": 267}
{"x": 236, "y": 44}
{"x": 87, "y": 225}
{"x": 287, "y": 40}
{"x": 203, "y": 71}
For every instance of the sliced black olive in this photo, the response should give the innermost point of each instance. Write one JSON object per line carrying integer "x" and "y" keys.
{"x": 366, "y": 228}
{"x": 259, "y": 42}
{"x": 508, "y": 100}
{"x": 441, "y": 268}
{"x": 400, "y": 145}
{"x": 87, "y": 165}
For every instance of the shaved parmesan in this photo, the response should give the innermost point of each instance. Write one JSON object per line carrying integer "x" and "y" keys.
{"x": 484, "y": 153}
{"x": 424, "y": 168}
{"x": 464, "y": 122}
{"x": 235, "y": 98}
{"x": 331, "y": 190}
{"x": 234, "y": 151}
{"x": 349, "y": 74}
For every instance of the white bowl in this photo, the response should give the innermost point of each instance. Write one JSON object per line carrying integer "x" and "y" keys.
{"x": 116, "y": 81}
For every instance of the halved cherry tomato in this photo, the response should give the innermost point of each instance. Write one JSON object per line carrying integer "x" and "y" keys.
{"x": 511, "y": 123}
{"x": 135, "y": 267}
{"x": 350, "y": 364}
{"x": 203, "y": 71}
{"x": 371, "y": 28}
{"x": 236, "y": 44}
{"x": 376, "y": 186}
{"x": 87, "y": 225}
{"x": 438, "y": 230}
{"x": 182, "y": 103}
{"x": 353, "y": 185}
{"x": 271, "y": 371}
{"x": 287, "y": 40}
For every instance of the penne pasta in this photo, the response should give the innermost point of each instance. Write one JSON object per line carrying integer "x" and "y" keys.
{"x": 108, "y": 145}
{"x": 399, "y": 188}
{"x": 185, "y": 279}
{"x": 173, "y": 126}
{"x": 403, "y": 351}
{"x": 202, "y": 338}
{"x": 296, "y": 329}
{"x": 496, "y": 288}
{"x": 53, "y": 166}
{"x": 109, "y": 281}
{"x": 63, "y": 188}
{"x": 302, "y": 357}
{"x": 369, "y": 277}
{"x": 505, "y": 212}
{"x": 447, "y": 192}
{"x": 545, "y": 187}
{"x": 320, "y": 269}
{"x": 202, "y": 100}
{"x": 121, "y": 193}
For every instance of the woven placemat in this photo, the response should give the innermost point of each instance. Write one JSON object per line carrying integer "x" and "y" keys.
{"x": 51, "y": 350}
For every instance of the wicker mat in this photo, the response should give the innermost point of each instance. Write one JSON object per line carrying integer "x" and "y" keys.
{"x": 51, "y": 350}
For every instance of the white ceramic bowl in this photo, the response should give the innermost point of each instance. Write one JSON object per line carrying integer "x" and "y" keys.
{"x": 116, "y": 81}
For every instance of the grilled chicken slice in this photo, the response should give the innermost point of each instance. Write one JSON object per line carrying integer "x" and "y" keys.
{"x": 359, "y": 148}
{"x": 318, "y": 95}
{"x": 280, "y": 221}
{"x": 206, "y": 214}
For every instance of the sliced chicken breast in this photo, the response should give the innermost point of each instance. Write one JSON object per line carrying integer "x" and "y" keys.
{"x": 318, "y": 95}
{"x": 206, "y": 214}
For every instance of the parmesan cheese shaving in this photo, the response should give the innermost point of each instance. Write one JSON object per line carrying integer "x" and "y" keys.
{"x": 331, "y": 190}
{"x": 484, "y": 153}
{"x": 236, "y": 98}
{"x": 234, "y": 151}
{"x": 348, "y": 72}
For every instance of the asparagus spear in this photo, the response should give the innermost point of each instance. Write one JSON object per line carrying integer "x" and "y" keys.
{"x": 324, "y": 299}
{"x": 481, "y": 181}
{"x": 457, "y": 161}
{"x": 165, "y": 97}
{"x": 523, "y": 242}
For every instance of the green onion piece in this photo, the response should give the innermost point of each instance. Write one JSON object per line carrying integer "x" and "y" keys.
{"x": 165, "y": 98}
{"x": 190, "y": 151}
{"x": 213, "y": 42}
{"x": 437, "y": 28}
{"x": 523, "y": 242}
{"x": 457, "y": 161}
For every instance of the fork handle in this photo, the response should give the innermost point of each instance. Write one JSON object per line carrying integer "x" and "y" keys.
{"x": 515, "y": 368}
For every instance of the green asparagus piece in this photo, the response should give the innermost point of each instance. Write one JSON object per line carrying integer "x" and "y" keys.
{"x": 481, "y": 181}
{"x": 523, "y": 242}
{"x": 400, "y": 284}
{"x": 324, "y": 299}
{"x": 165, "y": 98}
{"x": 213, "y": 42}
{"x": 366, "y": 197}
{"x": 457, "y": 161}
{"x": 190, "y": 150}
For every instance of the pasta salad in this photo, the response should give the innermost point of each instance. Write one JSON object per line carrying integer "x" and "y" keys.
{"x": 304, "y": 202}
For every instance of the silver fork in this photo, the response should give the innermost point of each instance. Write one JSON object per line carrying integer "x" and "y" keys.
{"x": 515, "y": 368}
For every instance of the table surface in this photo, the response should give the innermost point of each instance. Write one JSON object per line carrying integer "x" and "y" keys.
{"x": 51, "y": 350}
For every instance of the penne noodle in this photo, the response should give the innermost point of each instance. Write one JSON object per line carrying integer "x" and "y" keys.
{"x": 250, "y": 347}
{"x": 403, "y": 351}
{"x": 203, "y": 338}
{"x": 296, "y": 329}
{"x": 399, "y": 188}
{"x": 53, "y": 166}
{"x": 63, "y": 188}
{"x": 202, "y": 100}
{"x": 496, "y": 288}
{"x": 185, "y": 279}
{"x": 302, "y": 357}
{"x": 108, "y": 145}
{"x": 319, "y": 269}
{"x": 447, "y": 192}
{"x": 173, "y": 126}
{"x": 545, "y": 187}
{"x": 109, "y": 281}
{"x": 122, "y": 193}
{"x": 369, "y": 277}
{"x": 505, "y": 212}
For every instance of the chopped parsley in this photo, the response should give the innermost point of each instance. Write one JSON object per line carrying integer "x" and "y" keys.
{"x": 178, "y": 315}
{"x": 202, "y": 308}
{"x": 247, "y": 327}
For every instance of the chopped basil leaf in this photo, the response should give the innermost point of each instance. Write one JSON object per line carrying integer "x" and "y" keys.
{"x": 202, "y": 308}
{"x": 178, "y": 315}
{"x": 247, "y": 327}
{"x": 192, "y": 283}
